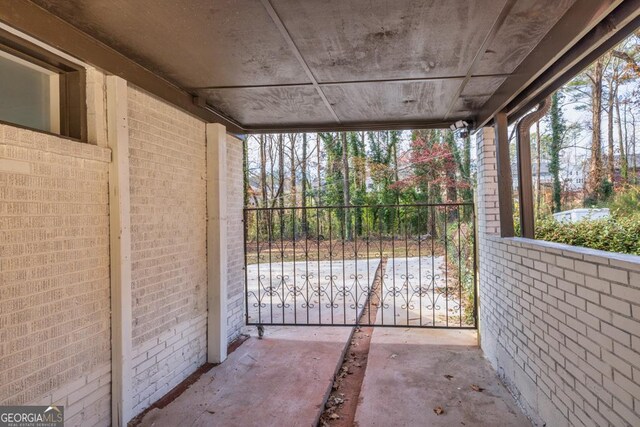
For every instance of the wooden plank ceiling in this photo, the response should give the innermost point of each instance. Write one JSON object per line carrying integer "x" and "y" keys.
{"x": 273, "y": 65}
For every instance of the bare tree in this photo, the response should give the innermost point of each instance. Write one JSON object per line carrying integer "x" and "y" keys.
{"x": 280, "y": 194}
{"x": 595, "y": 164}
{"x": 539, "y": 164}
{"x": 303, "y": 196}
{"x": 624, "y": 166}
{"x": 319, "y": 171}
{"x": 292, "y": 184}
{"x": 345, "y": 185}
{"x": 263, "y": 170}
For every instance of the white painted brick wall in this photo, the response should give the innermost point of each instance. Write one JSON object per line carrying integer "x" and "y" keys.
{"x": 168, "y": 233}
{"x": 54, "y": 258}
{"x": 235, "y": 236}
{"x": 54, "y": 275}
{"x": 560, "y": 324}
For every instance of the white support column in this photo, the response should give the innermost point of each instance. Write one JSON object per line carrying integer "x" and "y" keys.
{"x": 120, "y": 241}
{"x": 216, "y": 243}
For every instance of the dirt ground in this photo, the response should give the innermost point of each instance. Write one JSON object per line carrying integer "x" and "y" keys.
{"x": 341, "y": 406}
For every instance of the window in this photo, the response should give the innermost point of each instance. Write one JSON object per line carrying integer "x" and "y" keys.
{"x": 39, "y": 90}
{"x": 30, "y": 94}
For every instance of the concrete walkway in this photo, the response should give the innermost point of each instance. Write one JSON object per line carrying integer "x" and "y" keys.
{"x": 405, "y": 381}
{"x": 281, "y": 380}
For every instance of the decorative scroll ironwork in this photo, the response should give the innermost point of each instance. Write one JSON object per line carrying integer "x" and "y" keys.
{"x": 324, "y": 265}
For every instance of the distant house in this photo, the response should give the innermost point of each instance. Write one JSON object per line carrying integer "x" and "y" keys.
{"x": 573, "y": 171}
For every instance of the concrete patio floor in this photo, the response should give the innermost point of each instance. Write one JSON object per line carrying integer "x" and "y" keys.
{"x": 281, "y": 380}
{"x": 284, "y": 379}
{"x": 405, "y": 381}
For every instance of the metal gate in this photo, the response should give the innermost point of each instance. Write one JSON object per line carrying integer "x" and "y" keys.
{"x": 386, "y": 265}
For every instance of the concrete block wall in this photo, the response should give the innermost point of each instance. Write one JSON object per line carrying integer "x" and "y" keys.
{"x": 560, "y": 324}
{"x": 54, "y": 275}
{"x": 235, "y": 236}
{"x": 168, "y": 235}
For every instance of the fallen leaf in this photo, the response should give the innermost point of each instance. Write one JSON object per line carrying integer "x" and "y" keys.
{"x": 210, "y": 411}
{"x": 447, "y": 376}
{"x": 334, "y": 416}
{"x": 438, "y": 410}
{"x": 393, "y": 356}
{"x": 476, "y": 387}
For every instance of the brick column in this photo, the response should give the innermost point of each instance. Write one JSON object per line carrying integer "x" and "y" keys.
{"x": 488, "y": 209}
{"x": 216, "y": 243}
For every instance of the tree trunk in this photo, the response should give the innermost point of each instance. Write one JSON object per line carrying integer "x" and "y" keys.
{"x": 345, "y": 186}
{"x": 266, "y": 218}
{"x": 272, "y": 174}
{"x": 280, "y": 193}
{"x": 303, "y": 196}
{"x": 245, "y": 172}
{"x": 395, "y": 164}
{"x": 292, "y": 184}
{"x": 538, "y": 164}
{"x": 319, "y": 170}
{"x": 635, "y": 156}
{"x": 467, "y": 192}
{"x": 263, "y": 171}
{"x": 610, "y": 151}
{"x": 452, "y": 191}
{"x": 292, "y": 189}
{"x": 624, "y": 167}
{"x": 557, "y": 128}
{"x": 594, "y": 180}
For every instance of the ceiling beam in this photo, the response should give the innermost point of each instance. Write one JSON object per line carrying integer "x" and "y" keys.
{"x": 294, "y": 49}
{"x": 557, "y": 42}
{"x": 353, "y": 127}
{"x": 497, "y": 24}
{"x": 34, "y": 21}
{"x": 349, "y": 82}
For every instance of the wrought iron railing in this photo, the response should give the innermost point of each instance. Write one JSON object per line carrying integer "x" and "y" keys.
{"x": 389, "y": 265}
